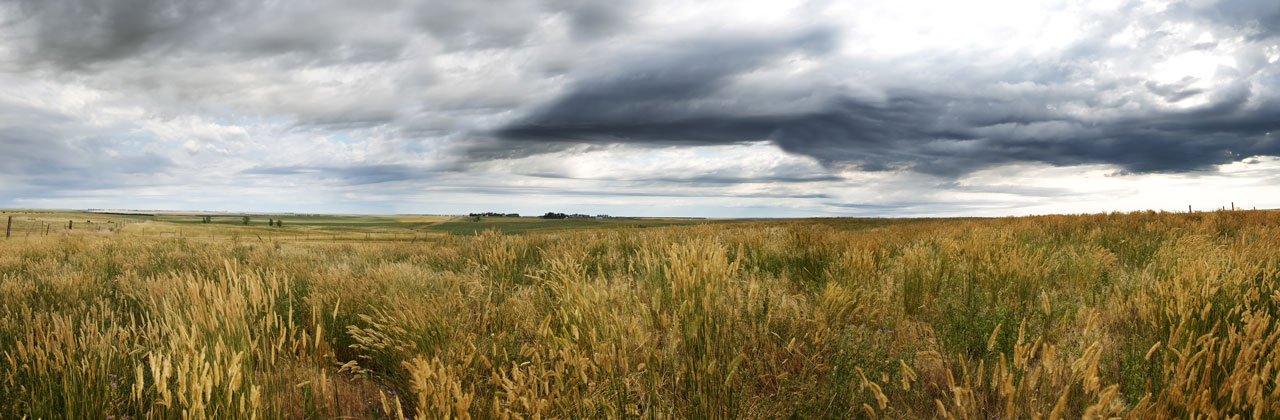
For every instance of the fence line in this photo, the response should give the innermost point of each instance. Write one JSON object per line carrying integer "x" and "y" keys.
{"x": 27, "y": 228}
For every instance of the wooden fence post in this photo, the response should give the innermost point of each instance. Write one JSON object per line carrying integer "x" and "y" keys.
{"x": 68, "y": 225}
{"x": 7, "y": 226}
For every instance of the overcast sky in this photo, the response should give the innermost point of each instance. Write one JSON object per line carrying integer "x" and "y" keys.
{"x": 734, "y": 108}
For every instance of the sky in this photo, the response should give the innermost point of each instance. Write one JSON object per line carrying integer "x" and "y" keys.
{"x": 646, "y": 108}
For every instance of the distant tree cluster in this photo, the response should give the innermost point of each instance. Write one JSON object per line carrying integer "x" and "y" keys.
{"x": 494, "y": 214}
{"x": 554, "y": 215}
{"x": 206, "y": 219}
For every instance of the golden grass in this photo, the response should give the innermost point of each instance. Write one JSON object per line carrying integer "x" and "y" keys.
{"x": 1141, "y": 315}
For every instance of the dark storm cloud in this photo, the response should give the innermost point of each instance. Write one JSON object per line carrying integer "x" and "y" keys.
{"x": 507, "y": 23}
{"x": 592, "y": 19}
{"x": 1174, "y": 92}
{"x": 1260, "y": 18}
{"x": 86, "y": 35}
{"x": 78, "y": 34}
{"x": 681, "y": 95}
{"x": 75, "y": 33}
{"x": 664, "y": 84}
{"x": 949, "y": 136}
{"x": 766, "y": 179}
{"x": 707, "y": 178}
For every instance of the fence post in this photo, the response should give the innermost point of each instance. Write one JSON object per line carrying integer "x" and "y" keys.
{"x": 68, "y": 225}
{"x": 7, "y": 226}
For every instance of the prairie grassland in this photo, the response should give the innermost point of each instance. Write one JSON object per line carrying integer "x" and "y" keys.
{"x": 1141, "y": 315}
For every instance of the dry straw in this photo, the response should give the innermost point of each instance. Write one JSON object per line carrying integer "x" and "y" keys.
{"x": 1139, "y": 315}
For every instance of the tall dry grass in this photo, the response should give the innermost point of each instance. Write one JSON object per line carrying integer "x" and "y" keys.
{"x": 1138, "y": 315}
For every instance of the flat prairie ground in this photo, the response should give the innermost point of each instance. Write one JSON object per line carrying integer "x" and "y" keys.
{"x": 1140, "y": 315}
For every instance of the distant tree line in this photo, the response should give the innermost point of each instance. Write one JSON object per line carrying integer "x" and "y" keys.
{"x": 244, "y": 220}
{"x": 494, "y": 214}
{"x": 554, "y": 215}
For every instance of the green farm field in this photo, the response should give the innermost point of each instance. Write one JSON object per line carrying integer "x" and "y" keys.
{"x": 1144, "y": 315}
